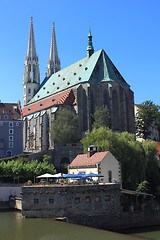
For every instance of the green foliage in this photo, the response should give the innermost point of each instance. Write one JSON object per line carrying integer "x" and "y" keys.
{"x": 102, "y": 117}
{"x": 148, "y": 115}
{"x": 47, "y": 158}
{"x": 143, "y": 187}
{"x": 65, "y": 128}
{"x": 134, "y": 156}
{"x": 20, "y": 170}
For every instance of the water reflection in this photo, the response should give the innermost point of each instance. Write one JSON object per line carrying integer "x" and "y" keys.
{"x": 14, "y": 227}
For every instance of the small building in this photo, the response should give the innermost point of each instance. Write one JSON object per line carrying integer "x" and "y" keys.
{"x": 99, "y": 163}
{"x": 11, "y": 129}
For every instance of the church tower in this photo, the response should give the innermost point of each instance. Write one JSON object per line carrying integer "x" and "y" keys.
{"x": 90, "y": 49}
{"x": 31, "y": 78}
{"x": 53, "y": 62}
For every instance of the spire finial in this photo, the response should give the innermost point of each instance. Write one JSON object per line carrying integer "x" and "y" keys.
{"x": 90, "y": 49}
{"x": 53, "y": 62}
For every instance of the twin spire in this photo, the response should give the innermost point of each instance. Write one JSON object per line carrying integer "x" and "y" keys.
{"x": 31, "y": 50}
{"x": 54, "y": 61}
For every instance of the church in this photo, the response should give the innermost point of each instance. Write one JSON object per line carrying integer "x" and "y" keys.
{"x": 81, "y": 87}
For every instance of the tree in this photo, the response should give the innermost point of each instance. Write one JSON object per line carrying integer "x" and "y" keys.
{"x": 132, "y": 155}
{"x": 102, "y": 117}
{"x": 148, "y": 115}
{"x": 65, "y": 128}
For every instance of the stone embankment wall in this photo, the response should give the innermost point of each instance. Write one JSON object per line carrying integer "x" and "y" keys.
{"x": 90, "y": 205}
{"x": 70, "y": 200}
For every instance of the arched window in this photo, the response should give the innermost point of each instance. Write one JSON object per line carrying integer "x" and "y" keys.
{"x": 115, "y": 110}
{"x": 29, "y": 91}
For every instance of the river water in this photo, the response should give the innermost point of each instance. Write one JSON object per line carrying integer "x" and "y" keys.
{"x": 14, "y": 227}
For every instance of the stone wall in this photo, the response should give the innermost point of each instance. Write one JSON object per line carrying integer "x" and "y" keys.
{"x": 69, "y": 201}
{"x": 90, "y": 205}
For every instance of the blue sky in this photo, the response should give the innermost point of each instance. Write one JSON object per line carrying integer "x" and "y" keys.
{"x": 128, "y": 30}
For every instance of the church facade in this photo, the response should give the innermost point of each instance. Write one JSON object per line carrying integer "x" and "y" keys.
{"x": 81, "y": 87}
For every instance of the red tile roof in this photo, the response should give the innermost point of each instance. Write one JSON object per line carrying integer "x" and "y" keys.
{"x": 11, "y": 109}
{"x": 83, "y": 160}
{"x": 65, "y": 97}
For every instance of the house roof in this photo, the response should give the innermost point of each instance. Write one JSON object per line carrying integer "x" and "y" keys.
{"x": 80, "y": 72}
{"x": 11, "y": 109}
{"x": 67, "y": 97}
{"x": 82, "y": 160}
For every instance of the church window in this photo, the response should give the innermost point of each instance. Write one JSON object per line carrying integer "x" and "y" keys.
{"x": 59, "y": 75}
{"x": 63, "y": 79}
{"x": 44, "y": 88}
{"x": 5, "y": 117}
{"x": 86, "y": 68}
{"x": 57, "y": 88}
{"x": 68, "y": 83}
{"x": 80, "y": 65}
{"x": 29, "y": 90}
{"x": 53, "y": 83}
{"x": 79, "y": 78}
{"x": 38, "y": 96}
{"x": 47, "y": 92}
{"x": 75, "y": 73}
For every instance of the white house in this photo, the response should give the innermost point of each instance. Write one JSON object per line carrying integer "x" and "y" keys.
{"x": 97, "y": 162}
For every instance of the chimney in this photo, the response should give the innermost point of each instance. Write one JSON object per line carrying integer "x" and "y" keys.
{"x": 91, "y": 150}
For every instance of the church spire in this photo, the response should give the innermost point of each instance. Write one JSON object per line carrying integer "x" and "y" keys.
{"x": 90, "y": 49}
{"x": 31, "y": 51}
{"x": 53, "y": 62}
{"x": 31, "y": 78}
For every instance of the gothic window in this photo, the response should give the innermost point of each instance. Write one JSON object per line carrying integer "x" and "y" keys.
{"x": 29, "y": 91}
{"x": 115, "y": 107}
{"x": 34, "y": 91}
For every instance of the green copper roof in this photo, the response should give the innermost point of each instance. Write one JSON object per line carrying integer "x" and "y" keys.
{"x": 80, "y": 72}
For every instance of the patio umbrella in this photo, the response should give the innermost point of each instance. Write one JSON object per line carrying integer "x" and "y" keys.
{"x": 46, "y": 175}
{"x": 92, "y": 175}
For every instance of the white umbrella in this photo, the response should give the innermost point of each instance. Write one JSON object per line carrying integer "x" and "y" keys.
{"x": 57, "y": 175}
{"x": 46, "y": 175}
